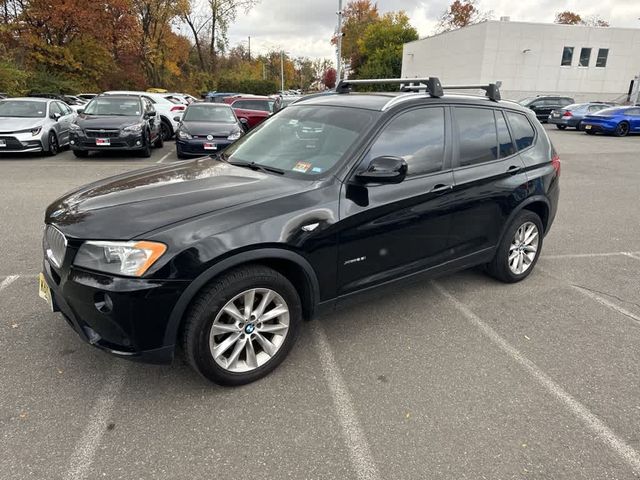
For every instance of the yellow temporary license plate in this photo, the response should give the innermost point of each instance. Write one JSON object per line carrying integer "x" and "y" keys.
{"x": 587, "y": 127}
{"x": 44, "y": 291}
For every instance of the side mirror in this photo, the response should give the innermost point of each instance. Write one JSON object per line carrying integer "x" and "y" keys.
{"x": 55, "y": 116}
{"x": 151, "y": 114}
{"x": 386, "y": 169}
{"x": 177, "y": 118}
{"x": 245, "y": 124}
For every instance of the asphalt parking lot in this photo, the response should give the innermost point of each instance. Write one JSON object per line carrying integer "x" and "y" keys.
{"x": 457, "y": 378}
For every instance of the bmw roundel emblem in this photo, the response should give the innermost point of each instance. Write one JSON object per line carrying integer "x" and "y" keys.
{"x": 209, "y": 137}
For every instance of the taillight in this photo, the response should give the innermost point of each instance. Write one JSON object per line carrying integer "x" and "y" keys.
{"x": 555, "y": 163}
{"x": 567, "y": 114}
{"x": 178, "y": 108}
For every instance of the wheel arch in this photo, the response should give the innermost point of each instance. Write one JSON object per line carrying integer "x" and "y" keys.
{"x": 165, "y": 120}
{"x": 537, "y": 204}
{"x": 290, "y": 264}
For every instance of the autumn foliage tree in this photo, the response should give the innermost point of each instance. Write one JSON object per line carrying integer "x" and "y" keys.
{"x": 358, "y": 15}
{"x": 571, "y": 18}
{"x": 329, "y": 78}
{"x": 461, "y": 13}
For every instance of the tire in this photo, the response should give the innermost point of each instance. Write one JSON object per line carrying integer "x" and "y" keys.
{"x": 590, "y": 132}
{"x": 622, "y": 129}
{"x": 166, "y": 130}
{"x": 235, "y": 364}
{"x": 561, "y": 127}
{"x": 81, "y": 153}
{"x": 519, "y": 231}
{"x": 179, "y": 154}
{"x": 159, "y": 143}
{"x": 54, "y": 148}
{"x": 146, "y": 149}
{"x": 579, "y": 126}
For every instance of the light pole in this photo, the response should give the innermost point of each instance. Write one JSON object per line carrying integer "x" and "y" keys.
{"x": 282, "y": 70}
{"x": 339, "y": 43}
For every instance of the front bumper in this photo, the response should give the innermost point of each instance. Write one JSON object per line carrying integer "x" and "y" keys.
{"x": 598, "y": 127}
{"x": 195, "y": 146}
{"x": 567, "y": 121}
{"x": 21, "y": 143}
{"x": 126, "y": 317}
{"x": 132, "y": 141}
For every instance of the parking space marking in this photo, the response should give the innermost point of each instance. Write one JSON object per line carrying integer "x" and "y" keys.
{"x": 635, "y": 255}
{"x": 8, "y": 281}
{"x": 607, "y": 303}
{"x": 86, "y": 447}
{"x": 355, "y": 440}
{"x": 165, "y": 156}
{"x": 597, "y": 426}
{"x": 589, "y": 255}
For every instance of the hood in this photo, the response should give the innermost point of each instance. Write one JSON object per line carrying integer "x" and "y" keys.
{"x": 14, "y": 124}
{"x": 106, "y": 121}
{"x": 126, "y": 206}
{"x": 209, "y": 128}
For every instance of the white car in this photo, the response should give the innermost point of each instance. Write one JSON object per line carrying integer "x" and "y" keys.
{"x": 166, "y": 109}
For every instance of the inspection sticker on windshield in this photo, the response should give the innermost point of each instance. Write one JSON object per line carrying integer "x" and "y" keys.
{"x": 316, "y": 170}
{"x": 302, "y": 167}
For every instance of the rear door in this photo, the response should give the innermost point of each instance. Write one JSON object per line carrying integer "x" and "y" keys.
{"x": 64, "y": 122}
{"x": 391, "y": 231}
{"x": 489, "y": 179}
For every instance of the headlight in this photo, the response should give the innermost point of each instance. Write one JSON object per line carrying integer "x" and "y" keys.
{"x": 234, "y": 136}
{"x": 121, "y": 258}
{"x": 184, "y": 135}
{"x": 74, "y": 127}
{"x": 36, "y": 131}
{"x": 134, "y": 128}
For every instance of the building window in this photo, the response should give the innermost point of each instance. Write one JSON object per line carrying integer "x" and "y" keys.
{"x": 603, "y": 54}
{"x": 567, "y": 56}
{"x": 585, "y": 56}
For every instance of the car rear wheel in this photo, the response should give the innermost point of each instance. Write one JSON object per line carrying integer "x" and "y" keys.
{"x": 242, "y": 326}
{"x": 519, "y": 249}
{"x": 622, "y": 130}
{"x": 579, "y": 126}
{"x": 81, "y": 153}
{"x": 165, "y": 130}
{"x": 561, "y": 127}
{"x": 53, "y": 145}
{"x": 146, "y": 147}
{"x": 159, "y": 143}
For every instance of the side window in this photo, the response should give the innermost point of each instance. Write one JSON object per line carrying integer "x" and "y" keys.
{"x": 567, "y": 56}
{"x": 523, "y": 132}
{"x": 417, "y": 136}
{"x": 504, "y": 137}
{"x": 241, "y": 104}
{"x": 585, "y": 56}
{"x": 150, "y": 100}
{"x": 595, "y": 108}
{"x": 54, "y": 108}
{"x": 566, "y": 101}
{"x": 601, "y": 60}
{"x": 147, "y": 105}
{"x": 634, "y": 112}
{"x": 477, "y": 130}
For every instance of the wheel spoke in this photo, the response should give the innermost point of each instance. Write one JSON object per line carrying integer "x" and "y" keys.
{"x": 252, "y": 361}
{"x": 266, "y": 299}
{"x": 273, "y": 328}
{"x": 220, "y": 328}
{"x": 530, "y": 249}
{"x": 249, "y": 298}
{"x": 231, "y": 310}
{"x": 519, "y": 267}
{"x": 512, "y": 256}
{"x": 225, "y": 345}
{"x": 273, "y": 313}
{"x": 269, "y": 348}
{"x": 237, "y": 350}
{"x": 531, "y": 236}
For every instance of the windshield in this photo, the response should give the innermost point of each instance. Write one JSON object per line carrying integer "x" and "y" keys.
{"x": 576, "y": 106}
{"x": 126, "y": 107}
{"x": 309, "y": 140}
{"x": 209, "y": 113}
{"x": 526, "y": 100}
{"x": 22, "y": 109}
{"x": 608, "y": 111}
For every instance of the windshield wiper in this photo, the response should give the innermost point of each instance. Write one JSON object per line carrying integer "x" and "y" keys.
{"x": 255, "y": 166}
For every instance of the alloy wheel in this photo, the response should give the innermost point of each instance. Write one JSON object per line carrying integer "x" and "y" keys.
{"x": 249, "y": 330}
{"x": 53, "y": 144}
{"x": 165, "y": 131}
{"x": 622, "y": 129}
{"x": 523, "y": 248}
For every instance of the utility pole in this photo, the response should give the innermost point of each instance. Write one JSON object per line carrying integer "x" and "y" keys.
{"x": 282, "y": 69}
{"x": 249, "y": 47}
{"x": 339, "y": 43}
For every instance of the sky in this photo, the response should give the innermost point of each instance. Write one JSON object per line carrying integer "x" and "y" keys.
{"x": 305, "y": 27}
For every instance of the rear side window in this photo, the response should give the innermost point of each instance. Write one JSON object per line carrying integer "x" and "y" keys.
{"x": 417, "y": 136}
{"x": 522, "y": 129}
{"x": 477, "y": 130}
{"x": 504, "y": 137}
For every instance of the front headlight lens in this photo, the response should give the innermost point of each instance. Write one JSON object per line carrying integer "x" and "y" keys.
{"x": 74, "y": 127}
{"x": 184, "y": 135}
{"x": 133, "y": 128}
{"x": 120, "y": 258}
{"x": 234, "y": 136}
{"x": 36, "y": 131}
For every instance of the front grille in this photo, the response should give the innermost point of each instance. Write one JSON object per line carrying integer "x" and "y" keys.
{"x": 12, "y": 143}
{"x": 102, "y": 133}
{"x": 215, "y": 137}
{"x": 55, "y": 245}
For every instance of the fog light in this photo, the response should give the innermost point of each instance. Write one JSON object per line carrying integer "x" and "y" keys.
{"x": 73, "y": 142}
{"x": 103, "y": 302}
{"x": 138, "y": 142}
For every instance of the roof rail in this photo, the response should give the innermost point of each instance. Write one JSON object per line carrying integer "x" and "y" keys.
{"x": 431, "y": 85}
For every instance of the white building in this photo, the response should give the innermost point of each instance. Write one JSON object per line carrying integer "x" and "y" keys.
{"x": 587, "y": 63}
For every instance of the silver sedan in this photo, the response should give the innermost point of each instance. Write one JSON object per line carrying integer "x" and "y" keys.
{"x": 34, "y": 125}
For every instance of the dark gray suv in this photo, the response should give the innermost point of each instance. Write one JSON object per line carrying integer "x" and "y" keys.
{"x": 543, "y": 105}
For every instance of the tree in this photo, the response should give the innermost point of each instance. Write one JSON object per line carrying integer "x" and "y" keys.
{"x": 382, "y": 43}
{"x": 571, "y": 18}
{"x": 461, "y": 13}
{"x": 329, "y": 77}
{"x": 358, "y": 15}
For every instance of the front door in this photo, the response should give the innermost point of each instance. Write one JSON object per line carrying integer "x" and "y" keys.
{"x": 392, "y": 231}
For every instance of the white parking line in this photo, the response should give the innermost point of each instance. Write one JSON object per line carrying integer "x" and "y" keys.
{"x": 597, "y": 426}
{"x": 8, "y": 281}
{"x": 635, "y": 255}
{"x": 355, "y": 440}
{"x": 91, "y": 437}
{"x": 165, "y": 156}
{"x": 607, "y": 303}
{"x": 588, "y": 255}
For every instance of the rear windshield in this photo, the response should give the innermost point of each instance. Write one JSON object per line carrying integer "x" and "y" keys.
{"x": 209, "y": 113}
{"x": 576, "y": 106}
{"x": 22, "y": 109}
{"x": 125, "y": 107}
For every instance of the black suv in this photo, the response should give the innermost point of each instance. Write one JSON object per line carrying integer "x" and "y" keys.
{"x": 331, "y": 197}
{"x": 542, "y": 105}
{"x": 116, "y": 122}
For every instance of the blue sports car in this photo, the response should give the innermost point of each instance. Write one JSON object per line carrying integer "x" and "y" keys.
{"x": 620, "y": 121}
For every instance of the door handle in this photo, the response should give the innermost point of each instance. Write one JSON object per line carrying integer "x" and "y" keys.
{"x": 513, "y": 169}
{"x": 441, "y": 187}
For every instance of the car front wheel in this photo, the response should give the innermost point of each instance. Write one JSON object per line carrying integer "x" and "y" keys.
{"x": 53, "y": 145}
{"x": 622, "y": 130}
{"x": 561, "y": 127}
{"x": 519, "y": 249}
{"x": 242, "y": 326}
